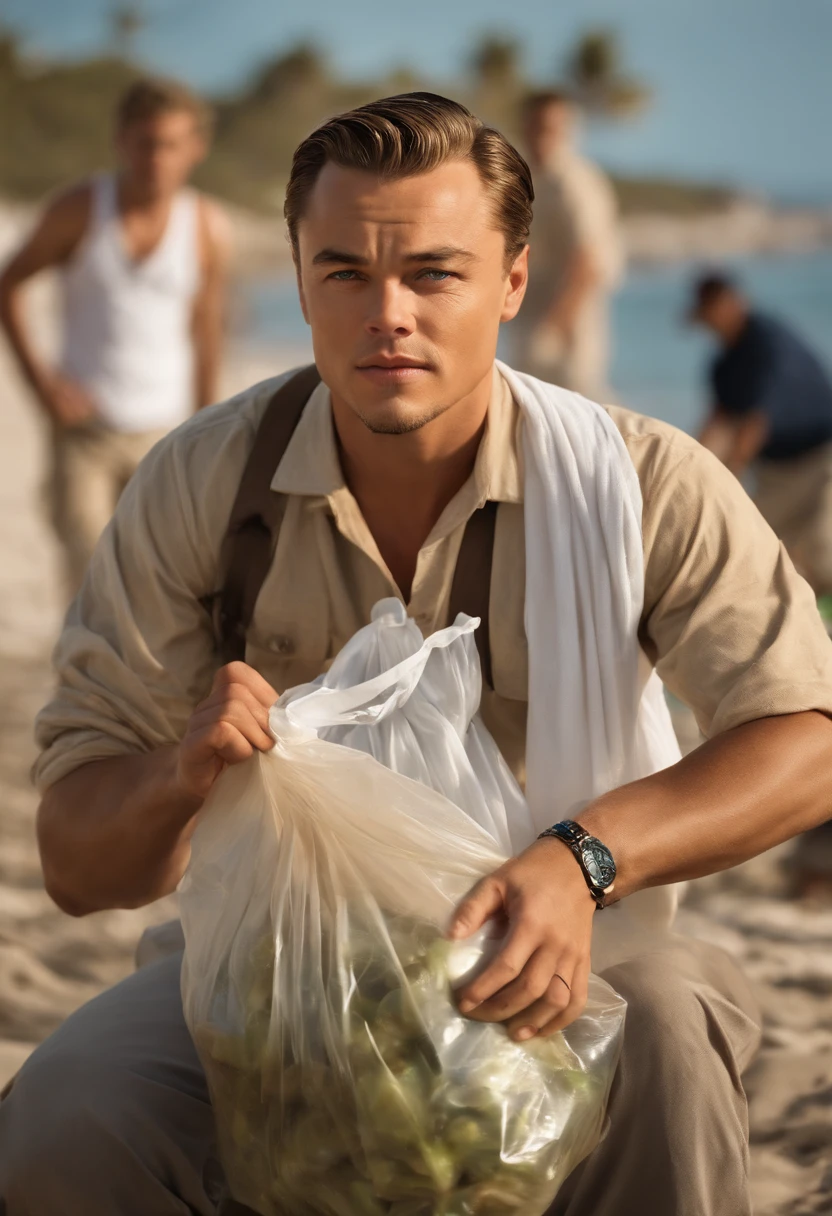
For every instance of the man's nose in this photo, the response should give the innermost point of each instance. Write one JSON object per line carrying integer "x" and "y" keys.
{"x": 390, "y": 312}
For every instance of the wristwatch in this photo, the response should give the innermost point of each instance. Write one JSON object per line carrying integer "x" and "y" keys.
{"x": 594, "y": 858}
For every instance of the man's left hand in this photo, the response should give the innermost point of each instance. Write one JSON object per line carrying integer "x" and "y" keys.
{"x": 537, "y": 983}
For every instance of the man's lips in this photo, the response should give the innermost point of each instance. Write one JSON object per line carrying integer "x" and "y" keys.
{"x": 393, "y": 369}
{"x": 381, "y": 360}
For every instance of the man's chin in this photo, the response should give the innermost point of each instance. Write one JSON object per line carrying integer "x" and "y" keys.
{"x": 390, "y": 419}
{"x": 395, "y": 409}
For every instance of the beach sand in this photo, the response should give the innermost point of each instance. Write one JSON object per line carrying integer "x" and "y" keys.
{"x": 51, "y": 963}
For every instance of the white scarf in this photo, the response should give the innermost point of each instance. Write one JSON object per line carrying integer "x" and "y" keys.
{"x": 597, "y": 714}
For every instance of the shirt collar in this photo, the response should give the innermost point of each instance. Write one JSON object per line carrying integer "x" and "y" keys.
{"x": 311, "y": 465}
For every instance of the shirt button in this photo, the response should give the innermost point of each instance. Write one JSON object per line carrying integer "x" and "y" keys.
{"x": 282, "y": 645}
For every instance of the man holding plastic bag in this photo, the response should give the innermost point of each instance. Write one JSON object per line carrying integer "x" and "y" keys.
{"x": 614, "y": 543}
{"x": 317, "y": 982}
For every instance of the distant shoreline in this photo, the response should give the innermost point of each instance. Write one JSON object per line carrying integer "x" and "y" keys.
{"x": 744, "y": 226}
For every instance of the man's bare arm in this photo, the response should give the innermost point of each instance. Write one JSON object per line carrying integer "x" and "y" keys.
{"x": 210, "y": 305}
{"x": 739, "y": 794}
{"x": 116, "y": 833}
{"x": 736, "y": 796}
{"x": 54, "y": 240}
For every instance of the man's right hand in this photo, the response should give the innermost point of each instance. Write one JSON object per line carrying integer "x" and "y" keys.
{"x": 66, "y": 401}
{"x": 115, "y": 833}
{"x": 226, "y": 728}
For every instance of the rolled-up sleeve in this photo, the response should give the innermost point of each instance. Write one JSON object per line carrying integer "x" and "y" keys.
{"x": 732, "y": 629}
{"x": 137, "y": 651}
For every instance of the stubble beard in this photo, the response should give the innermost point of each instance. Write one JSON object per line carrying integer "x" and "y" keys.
{"x": 401, "y": 425}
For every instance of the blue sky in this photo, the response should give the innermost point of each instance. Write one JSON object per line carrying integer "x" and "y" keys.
{"x": 743, "y": 87}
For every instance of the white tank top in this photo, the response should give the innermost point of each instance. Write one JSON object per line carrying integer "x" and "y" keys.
{"x": 127, "y": 324}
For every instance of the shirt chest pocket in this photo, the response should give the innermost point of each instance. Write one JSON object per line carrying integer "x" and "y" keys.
{"x": 291, "y": 639}
{"x": 290, "y": 654}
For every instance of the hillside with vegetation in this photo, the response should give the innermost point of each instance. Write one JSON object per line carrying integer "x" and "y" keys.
{"x": 56, "y": 118}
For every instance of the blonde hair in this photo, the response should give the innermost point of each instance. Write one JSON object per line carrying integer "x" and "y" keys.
{"x": 409, "y": 134}
{"x": 152, "y": 96}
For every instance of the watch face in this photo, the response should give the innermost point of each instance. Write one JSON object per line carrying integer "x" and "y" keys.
{"x": 599, "y": 863}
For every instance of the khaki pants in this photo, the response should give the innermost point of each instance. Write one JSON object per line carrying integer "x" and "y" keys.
{"x": 111, "y": 1115}
{"x": 795, "y": 498}
{"x": 91, "y": 465}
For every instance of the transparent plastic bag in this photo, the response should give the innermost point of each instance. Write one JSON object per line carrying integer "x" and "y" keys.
{"x": 317, "y": 985}
{"x": 428, "y": 728}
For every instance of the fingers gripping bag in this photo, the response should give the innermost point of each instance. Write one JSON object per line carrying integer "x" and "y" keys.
{"x": 317, "y": 982}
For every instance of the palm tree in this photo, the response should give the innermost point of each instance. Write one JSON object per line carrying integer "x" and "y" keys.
{"x": 498, "y": 84}
{"x": 596, "y": 77}
{"x": 496, "y": 63}
{"x": 301, "y": 69}
{"x": 126, "y": 22}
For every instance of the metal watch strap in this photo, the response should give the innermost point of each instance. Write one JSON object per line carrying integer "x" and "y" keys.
{"x": 571, "y": 834}
{"x": 568, "y": 831}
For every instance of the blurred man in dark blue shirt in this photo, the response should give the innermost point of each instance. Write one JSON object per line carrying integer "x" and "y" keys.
{"x": 772, "y": 409}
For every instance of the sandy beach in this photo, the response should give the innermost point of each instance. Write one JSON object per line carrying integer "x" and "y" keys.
{"x": 50, "y": 963}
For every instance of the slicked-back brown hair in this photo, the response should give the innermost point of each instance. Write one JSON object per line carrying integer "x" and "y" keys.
{"x": 152, "y": 96}
{"x": 409, "y": 134}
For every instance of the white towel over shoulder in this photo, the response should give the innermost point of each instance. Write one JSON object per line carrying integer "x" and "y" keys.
{"x": 597, "y": 715}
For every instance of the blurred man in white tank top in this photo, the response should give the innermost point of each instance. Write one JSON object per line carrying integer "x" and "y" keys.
{"x": 143, "y": 263}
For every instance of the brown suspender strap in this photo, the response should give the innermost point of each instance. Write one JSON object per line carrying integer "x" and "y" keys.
{"x": 249, "y": 544}
{"x": 251, "y": 538}
{"x": 471, "y": 588}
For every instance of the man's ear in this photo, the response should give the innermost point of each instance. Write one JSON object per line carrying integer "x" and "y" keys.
{"x": 517, "y": 280}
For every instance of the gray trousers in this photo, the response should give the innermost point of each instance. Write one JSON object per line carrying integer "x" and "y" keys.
{"x": 111, "y": 1116}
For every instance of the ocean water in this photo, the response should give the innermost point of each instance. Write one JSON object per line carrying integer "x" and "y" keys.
{"x": 659, "y": 363}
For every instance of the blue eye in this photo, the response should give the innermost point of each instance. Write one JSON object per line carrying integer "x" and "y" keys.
{"x": 343, "y": 276}
{"x": 436, "y": 276}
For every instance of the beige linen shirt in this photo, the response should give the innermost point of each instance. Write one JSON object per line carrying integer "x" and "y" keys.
{"x": 731, "y": 628}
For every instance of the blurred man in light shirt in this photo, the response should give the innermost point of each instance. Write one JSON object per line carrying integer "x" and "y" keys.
{"x": 576, "y": 257}
{"x": 143, "y": 260}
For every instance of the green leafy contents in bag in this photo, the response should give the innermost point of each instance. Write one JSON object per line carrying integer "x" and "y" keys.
{"x": 415, "y": 1111}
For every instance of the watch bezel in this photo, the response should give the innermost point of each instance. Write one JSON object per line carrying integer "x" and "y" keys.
{"x": 589, "y": 847}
